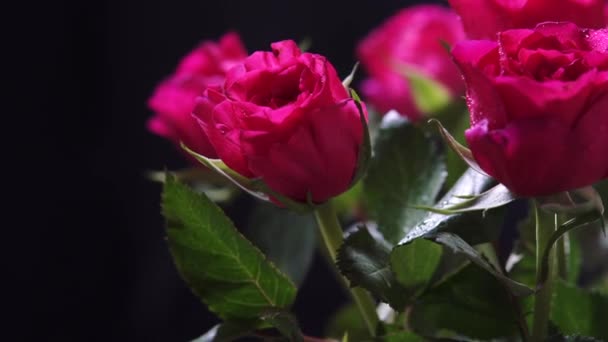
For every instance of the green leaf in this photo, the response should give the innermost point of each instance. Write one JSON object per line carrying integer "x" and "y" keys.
{"x": 573, "y": 338}
{"x": 430, "y": 96}
{"x": 349, "y": 204}
{"x": 407, "y": 169}
{"x": 403, "y": 336}
{"x": 348, "y": 321}
{"x": 459, "y": 246}
{"x": 460, "y": 121}
{"x": 472, "y": 227}
{"x": 364, "y": 261}
{"x": 229, "y": 274}
{"x": 415, "y": 263}
{"x": 471, "y": 303}
{"x": 285, "y": 323}
{"x": 576, "y": 311}
{"x": 288, "y": 239}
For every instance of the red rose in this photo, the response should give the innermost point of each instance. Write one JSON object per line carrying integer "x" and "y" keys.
{"x": 414, "y": 38}
{"x": 284, "y": 116}
{"x": 174, "y": 99}
{"x": 483, "y": 19}
{"x": 539, "y": 106}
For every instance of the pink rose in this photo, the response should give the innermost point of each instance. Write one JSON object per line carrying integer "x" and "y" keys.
{"x": 483, "y": 19}
{"x": 284, "y": 116}
{"x": 414, "y": 38}
{"x": 174, "y": 99}
{"x": 539, "y": 106}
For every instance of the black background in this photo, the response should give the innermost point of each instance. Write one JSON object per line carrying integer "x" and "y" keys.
{"x": 83, "y": 235}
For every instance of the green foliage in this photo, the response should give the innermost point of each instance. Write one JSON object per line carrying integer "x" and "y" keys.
{"x": 577, "y": 222}
{"x": 572, "y": 338}
{"x": 576, "y": 311}
{"x": 473, "y": 227}
{"x": 459, "y": 246}
{"x": 430, "y": 96}
{"x": 408, "y": 169}
{"x": 285, "y": 323}
{"x": 471, "y": 303}
{"x": 347, "y": 320}
{"x": 288, "y": 239}
{"x": 403, "y": 336}
{"x": 222, "y": 268}
{"x": 415, "y": 263}
{"x": 364, "y": 261}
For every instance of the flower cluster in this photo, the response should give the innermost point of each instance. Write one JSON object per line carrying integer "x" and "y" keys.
{"x": 283, "y": 126}
{"x": 536, "y": 92}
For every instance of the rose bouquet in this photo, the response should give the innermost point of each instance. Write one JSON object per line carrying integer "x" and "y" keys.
{"x": 433, "y": 240}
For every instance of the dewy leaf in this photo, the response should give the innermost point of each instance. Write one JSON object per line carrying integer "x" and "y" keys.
{"x": 415, "y": 263}
{"x": 470, "y": 226}
{"x": 458, "y": 245}
{"x": 576, "y": 311}
{"x": 462, "y": 151}
{"x": 286, "y": 238}
{"x": 408, "y": 169}
{"x": 471, "y": 303}
{"x": 285, "y": 323}
{"x": 221, "y": 267}
{"x": 364, "y": 261}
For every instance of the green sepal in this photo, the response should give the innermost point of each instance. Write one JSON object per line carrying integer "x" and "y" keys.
{"x": 465, "y": 154}
{"x": 497, "y": 196}
{"x": 365, "y": 150}
{"x": 349, "y": 79}
{"x": 255, "y": 187}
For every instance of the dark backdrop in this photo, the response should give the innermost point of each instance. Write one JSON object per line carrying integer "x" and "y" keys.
{"x": 84, "y": 237}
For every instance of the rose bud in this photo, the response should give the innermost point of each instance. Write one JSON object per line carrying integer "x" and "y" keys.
{"x": 174, "y": 99}
{"x": 539, "y": 106}
{"x": 414, "y": 38}
{"x": 284, "y": 117}
{"x": 483, "y": 19}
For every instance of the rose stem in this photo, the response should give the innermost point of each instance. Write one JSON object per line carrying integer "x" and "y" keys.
{"x": 331, "y": 231}
{"x": 542, "y": 299}
{"x": 563, "y": 253}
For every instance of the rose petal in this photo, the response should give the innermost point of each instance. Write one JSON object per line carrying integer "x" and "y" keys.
{"x": 528, "y": 156}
